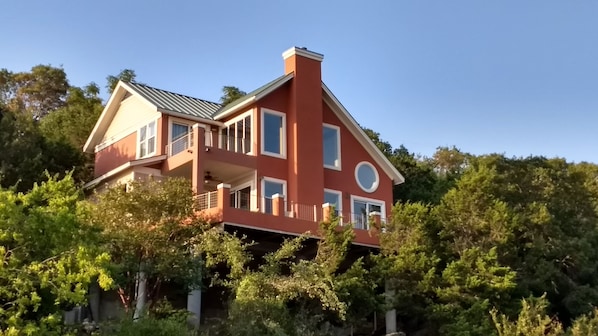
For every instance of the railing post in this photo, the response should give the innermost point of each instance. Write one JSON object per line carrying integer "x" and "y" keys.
{"x": 278, "y": 205}
{"x": 326, "y": 212}
{"x": 223, "y": 196}
{"x": 376, "y": 219}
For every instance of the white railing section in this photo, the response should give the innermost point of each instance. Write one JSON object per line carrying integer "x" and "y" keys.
{"x": 207, "y": 200}
{"x": 181, "y": 144}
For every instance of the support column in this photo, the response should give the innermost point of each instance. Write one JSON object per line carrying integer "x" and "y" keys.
{"x": 198, "y": 149}
{"x": 391, "y": 315}
{"x": 194, "y": 307}
{"x": 327, "y": 209}
{"x": 278, "y": 205}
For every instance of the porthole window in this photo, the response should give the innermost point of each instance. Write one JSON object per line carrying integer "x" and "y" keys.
{"x": 366, "y": 176}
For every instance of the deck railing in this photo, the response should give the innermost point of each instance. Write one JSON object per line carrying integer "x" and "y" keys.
{"x": 207, "y": 200}
{"x": 181, "y": 144}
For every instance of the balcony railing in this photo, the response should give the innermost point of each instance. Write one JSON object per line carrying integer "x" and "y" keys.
{"x": 207, "y": 200}
{"x": 179, "y": 145}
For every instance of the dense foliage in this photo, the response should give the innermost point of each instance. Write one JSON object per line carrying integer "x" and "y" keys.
{"x": 476, "y": 245}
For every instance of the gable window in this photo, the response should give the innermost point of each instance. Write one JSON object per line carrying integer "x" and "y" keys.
{"x": 331, "y": 146}
{"x": 271, "y": 187}
{"x": 333, "y": 198}
{"x": 362, "y": 209}
{"x": 273, "y": 133}
{"x": 236, "y": 135}
{"x": 147, "y": 140}
{"x": 366, "y": 176}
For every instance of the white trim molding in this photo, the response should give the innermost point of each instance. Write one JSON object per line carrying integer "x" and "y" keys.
{"x": 376, "y": 183}
{"x": 283, "y": 134}
{"x": 338, "y": 165}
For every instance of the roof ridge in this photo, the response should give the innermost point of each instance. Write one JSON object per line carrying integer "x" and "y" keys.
{"x": 174, "y": 93}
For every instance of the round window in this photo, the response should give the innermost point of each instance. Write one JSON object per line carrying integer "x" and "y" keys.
{"x": 366, "y": 176}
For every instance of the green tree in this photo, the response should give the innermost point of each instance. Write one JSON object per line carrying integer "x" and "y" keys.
{"x": 37, "y": 92}
{"x": 125, "y": 75}
{"x": 230, "y": 94}
{"x": 532, "y": 321}
{"x": 149, "y": 229}
{"x": 49, "y": 257}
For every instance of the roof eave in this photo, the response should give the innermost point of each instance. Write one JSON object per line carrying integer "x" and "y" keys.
{"x": 121, "y": 168}
{"x": 191, "y": 117}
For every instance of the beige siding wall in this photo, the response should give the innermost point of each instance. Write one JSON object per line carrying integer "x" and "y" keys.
{"x": 132, "y": 114}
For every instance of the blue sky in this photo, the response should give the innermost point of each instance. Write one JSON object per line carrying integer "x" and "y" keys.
{"x": 513, "y": 77}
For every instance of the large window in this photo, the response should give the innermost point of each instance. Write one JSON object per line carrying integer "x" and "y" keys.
{"x": 147, "y": 140}
{"x": 271, "y": 187}
{"x": 334, "y": 198}
{"x": 362, "y": 208}
{"x": 332, "y": 146}
{"x": 236, "y": 135}
{"x": 273, "y": 133}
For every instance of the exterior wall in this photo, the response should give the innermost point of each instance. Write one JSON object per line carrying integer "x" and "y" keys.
{"x": 132, "y": 114}
{"x": 116, "y": 154}
{"x": 352, "y": 153}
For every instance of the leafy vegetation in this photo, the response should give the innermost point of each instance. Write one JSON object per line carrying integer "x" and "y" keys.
{"x": 477, "y": 245}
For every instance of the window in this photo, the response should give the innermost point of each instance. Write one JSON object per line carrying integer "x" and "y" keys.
{"x": 362, "y": 208}
{"x": 331, "y": 144}
{"x": 366, "y": 176}
{"x": 271, "y": 187}
{"x": 273, "y": 133}
{"x": 333, "y": 198}
{"x": 241, "y": 198}
{"x": 179, "y": 140}
{"x": 147, "y": 140}
{"x": 236, "y": 135}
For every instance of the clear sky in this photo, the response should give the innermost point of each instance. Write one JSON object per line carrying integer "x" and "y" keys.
{"x": 509, "y": 76}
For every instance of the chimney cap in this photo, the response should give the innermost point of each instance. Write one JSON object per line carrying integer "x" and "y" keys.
{"x": 304, "y": 52}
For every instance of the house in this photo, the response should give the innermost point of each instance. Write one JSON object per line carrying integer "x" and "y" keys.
{"x": 277, "y": 160}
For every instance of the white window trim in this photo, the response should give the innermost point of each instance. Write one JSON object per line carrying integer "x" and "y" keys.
{"x": 338, "y": 141}
{"x": 367, "y": 200}
{"x": 252, "y": 192}
{"x": 148, "y": 154}
{"x": 180, "y": 121}
{"x": 340, "y": 199}
{"x": 234, "y": 121}
{"x": 262, "y": 194}
{"x": 376, "y": 184}
{"x": 283, "y": 140}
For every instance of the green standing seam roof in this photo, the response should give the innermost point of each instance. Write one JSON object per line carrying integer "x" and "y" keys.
{"x": 255, "y": 92}
{"x": 170, "y": 101}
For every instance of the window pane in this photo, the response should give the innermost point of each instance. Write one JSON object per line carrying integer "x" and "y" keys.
{"x": 142, "y": 133}
{"x": 231, "y": 137}
{"x": 331, "y": 146}
{"x": 151, "y": 145}
{"x": 375, "y": 208}
{"x": 333, "y": 199}
{"x": 243, "y": 195}
{"x": 151, "y": 129}
{"x": 366, "y": 177}
{"x": 272, "y": 133}
{"x": 360, "y": 217}
{"x": 178, "y": 131}
{"x": 271, "y": 188}
{"x": 239, "y": 148}
{"x": 142, "y": 149}
{"x": 247, "y": 136}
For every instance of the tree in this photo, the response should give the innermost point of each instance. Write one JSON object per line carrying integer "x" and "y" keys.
{"x": 37, "y": 92}
{"x": 49, "y": 257}
{"x": 26, "y": 153}
{"x": 149, "y": 229}
{"x": 532, "y": 321}
{"x": 125, "y": 75}
{"x": 230, "y": 94}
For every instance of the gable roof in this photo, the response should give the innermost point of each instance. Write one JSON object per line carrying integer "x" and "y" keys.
{"x": 167, "y": 101}
{"x": 252, "y": 96}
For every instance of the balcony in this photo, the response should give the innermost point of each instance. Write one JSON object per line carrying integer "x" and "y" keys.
{"x": 277, "y": 215}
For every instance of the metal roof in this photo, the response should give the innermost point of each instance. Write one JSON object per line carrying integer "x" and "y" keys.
{"x": 266, "y": 88}
{"x": 174, "y": 102}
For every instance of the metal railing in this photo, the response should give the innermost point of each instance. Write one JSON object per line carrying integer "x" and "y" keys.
{"x": 305, "y": 212}
{"x": 207, "y": 200}
{"x": 362, "y": 221}
{"x": 181, "y": 144}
